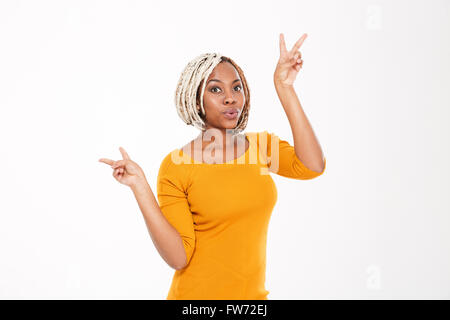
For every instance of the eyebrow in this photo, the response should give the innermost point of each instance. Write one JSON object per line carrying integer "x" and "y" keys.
{"x": 221, "y": 81}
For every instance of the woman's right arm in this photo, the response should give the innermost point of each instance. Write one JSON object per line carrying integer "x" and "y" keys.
{"x": 165, "y": 237}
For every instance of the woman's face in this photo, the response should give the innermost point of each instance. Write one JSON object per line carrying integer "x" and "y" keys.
{"x": 223, "y": 92}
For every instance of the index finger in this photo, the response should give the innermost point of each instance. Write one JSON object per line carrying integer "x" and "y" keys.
{"x": 107, "y": 161}
{"x": 283, "y": 49}
{"x": 125, "y": 155}
{"x": 299, "y": 43}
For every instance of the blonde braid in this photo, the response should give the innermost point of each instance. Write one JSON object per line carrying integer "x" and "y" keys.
{"x": 187, "y": 93}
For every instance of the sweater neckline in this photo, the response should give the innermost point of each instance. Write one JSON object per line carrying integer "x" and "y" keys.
{"x": 224, "y": 163}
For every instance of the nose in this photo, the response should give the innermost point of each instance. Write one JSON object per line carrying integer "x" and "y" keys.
{"x": 229, "y": 100}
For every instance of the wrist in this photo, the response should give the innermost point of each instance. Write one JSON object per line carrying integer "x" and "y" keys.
{"x": 280, "y": 85}
{"x": 141, "y": 184}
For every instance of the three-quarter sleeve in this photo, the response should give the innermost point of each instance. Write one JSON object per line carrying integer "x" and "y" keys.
{"x": 282, "y": 159}
{"x": 172, "y": 198}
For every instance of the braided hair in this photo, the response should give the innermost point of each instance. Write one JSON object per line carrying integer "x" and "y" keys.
{"x": 191, "y": 87}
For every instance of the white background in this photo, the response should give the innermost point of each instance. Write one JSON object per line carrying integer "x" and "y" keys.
{"x": 78, "y": 79}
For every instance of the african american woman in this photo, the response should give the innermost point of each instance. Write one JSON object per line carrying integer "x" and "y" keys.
{"x": 215, "y": 194}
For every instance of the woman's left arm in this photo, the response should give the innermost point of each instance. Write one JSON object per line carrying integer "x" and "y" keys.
{"x": 307, "y": 147}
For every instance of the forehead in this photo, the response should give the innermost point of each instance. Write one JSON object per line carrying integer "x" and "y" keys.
{"x": 224, "y": 71}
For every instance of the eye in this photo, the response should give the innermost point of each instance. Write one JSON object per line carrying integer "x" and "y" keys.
{"x": 212, "y": 89}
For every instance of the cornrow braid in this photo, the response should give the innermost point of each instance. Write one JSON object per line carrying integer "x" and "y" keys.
{"x": 191, "y": 87}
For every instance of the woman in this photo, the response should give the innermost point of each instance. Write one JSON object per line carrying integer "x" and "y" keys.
{"x": 215, "y": 194}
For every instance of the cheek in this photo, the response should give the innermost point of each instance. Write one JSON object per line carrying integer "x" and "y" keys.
{"x": 241, "y": 98}
{"x": 211, "y": 103}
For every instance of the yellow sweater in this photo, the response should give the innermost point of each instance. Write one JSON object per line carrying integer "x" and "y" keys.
{"x": 222, "y": 212}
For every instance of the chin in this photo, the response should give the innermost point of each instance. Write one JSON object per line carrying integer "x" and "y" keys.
{"x": 230, "y": 126}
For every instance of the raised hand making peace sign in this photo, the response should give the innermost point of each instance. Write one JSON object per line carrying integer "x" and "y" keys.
{"x": 290, "y": 62}
{"x": 126, "y": 171}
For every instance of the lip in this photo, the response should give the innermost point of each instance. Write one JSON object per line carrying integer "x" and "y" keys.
{"x": 231, "y": 113}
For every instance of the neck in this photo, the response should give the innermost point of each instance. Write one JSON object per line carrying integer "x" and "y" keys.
{"x": 212, "y": 134}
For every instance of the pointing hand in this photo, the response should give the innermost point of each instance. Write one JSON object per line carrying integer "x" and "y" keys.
{"x": 126, "y": 171}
